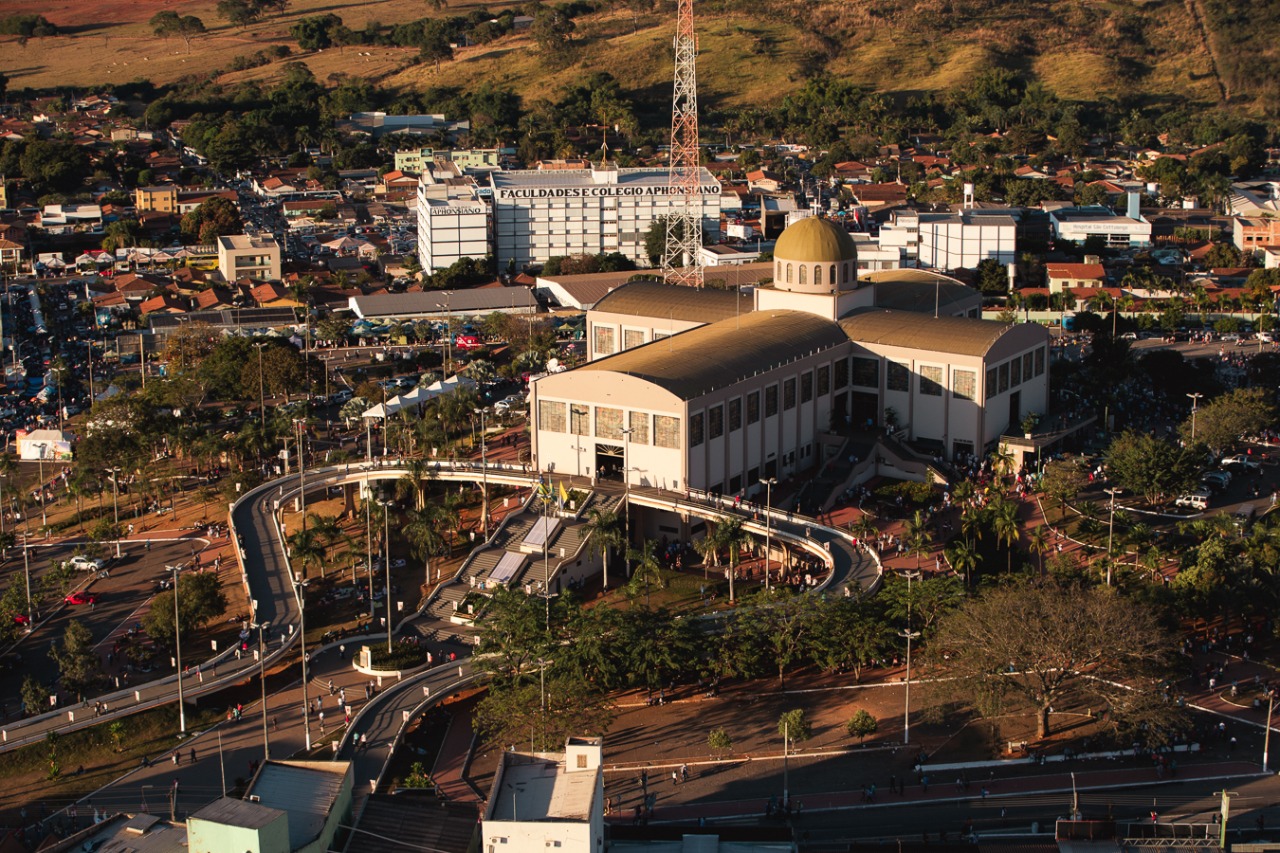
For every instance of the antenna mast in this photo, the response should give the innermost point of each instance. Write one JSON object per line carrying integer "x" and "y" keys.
{"x": 681, "y": 260}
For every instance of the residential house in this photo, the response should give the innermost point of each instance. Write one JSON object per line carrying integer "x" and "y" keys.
{"x": 165, "y": 303}
{"x": 763, "y": 181}
{"x": 1064, "y": 277}
{"x": 245, "y": 256}
{"x": 1254, "y": 233}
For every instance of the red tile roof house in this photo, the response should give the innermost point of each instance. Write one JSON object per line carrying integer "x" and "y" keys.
{"x": 1071, "y": 276}
{"x": 165, "y": 303}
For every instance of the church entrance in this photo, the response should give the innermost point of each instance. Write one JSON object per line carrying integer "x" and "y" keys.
{"x": 609, "y": 462}
{"x": 864, "y": 409}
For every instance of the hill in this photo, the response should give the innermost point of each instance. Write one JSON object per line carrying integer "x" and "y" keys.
{"x": 1158, "y": 52}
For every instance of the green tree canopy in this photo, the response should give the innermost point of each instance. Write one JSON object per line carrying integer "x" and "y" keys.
{"x": 1230, "y": 418}
{"x": 200, "y": 599}
{"x": 1157, "y": 469}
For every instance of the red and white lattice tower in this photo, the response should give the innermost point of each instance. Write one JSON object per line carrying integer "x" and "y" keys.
{"x": 681, "y": 260}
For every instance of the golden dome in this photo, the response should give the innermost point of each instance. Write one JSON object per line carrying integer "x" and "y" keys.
{"x": 815, "y": 240}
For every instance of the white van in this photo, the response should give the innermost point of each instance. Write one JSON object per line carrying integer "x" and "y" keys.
{"x": 1198, "y": 501}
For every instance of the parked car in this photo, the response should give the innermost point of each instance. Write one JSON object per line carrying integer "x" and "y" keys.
{"x": 1241, "y": 460}
{"x": 1196, "y": 500}
{"x": 81, "y": 598}
{"x": 1216, "y": 479}
{"x": 86, "y": 564}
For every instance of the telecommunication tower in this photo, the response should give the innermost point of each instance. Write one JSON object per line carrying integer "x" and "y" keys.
{"x": 681, "y": 260}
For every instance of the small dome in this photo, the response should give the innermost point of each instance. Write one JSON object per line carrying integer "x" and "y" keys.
{"x": 815, "y": 240}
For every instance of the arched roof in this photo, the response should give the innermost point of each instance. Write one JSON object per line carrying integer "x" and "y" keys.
{"x": 911, "y": 330}
{"x": 674, "y": 301}
{"x": 708, "y": 358}
{"x": 815, "y": 240}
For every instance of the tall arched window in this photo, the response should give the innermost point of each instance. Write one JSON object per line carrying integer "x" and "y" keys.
{"x": 846, "y": 272}
{"x": 833, "y": 276}
{"x": 778, "y": 275}
{"x": 788, "y": 273}
{"x": 802, "y": 275}
{"x": 817, "y": 276}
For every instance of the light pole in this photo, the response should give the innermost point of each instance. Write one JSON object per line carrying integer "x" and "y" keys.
{"x": 1195, "y": 398}
{"x": 262, "y": 396}
{"x": 368, "y": 530}
{"x": 1266, "y": 739}
{"x": 302, "y": 473}
{"x": 769, "y": 483}
{"x": 386, "y": 598}
{"x": 542, "y": 679}
{"x": 177, "y": 648}
{"x": 262, "y": 676}
{"x": 115, "y": 504}
{"x": 484, "y": 467}
{"x": 1111, "y": 528}
{"x": 909, "y": 635}
{"x": 26, "y": 568}
{"x": 448, "y": 332}
{"x": 626, "y": 507}
{"x": 300, "y": 592}
{"x": 44, "y": 518}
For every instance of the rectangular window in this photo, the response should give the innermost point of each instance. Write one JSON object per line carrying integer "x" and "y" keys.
{"x": 788, "y": 394}
{"x": 608, "y": 423}
{"x": 632, "y": 338}
{"x": 604, "y": 340}
{"x": 735, "y": 414}
{"x": 898, "y": 377}
{"x": 666, "y": 431}
{"x": 806, "y": 386}
{"x": 771, "y": 401}
{"x": 931, "y": 381}
{"x": 695, "y": 429}
{"x": 579, "y": 419}
{"x": 1015, "y": 373}
{"x": 991, "y": 383}
{"x": 866, "y": 372}
{"x": 962, "y": 384}
{"x": 1028, "y": 365}
{"x": 1003, "y": 372}
{"x": 841, "y": 378}
{"x": 639, "y": 424}
{"x": 824, "y": 380}
{"x": 715, "y": 422}
{"x": 550, "y": 416}
{"x": 735, "y": 484}
{"x": 1040, "y": 361}
{"x": 753, "y": 407}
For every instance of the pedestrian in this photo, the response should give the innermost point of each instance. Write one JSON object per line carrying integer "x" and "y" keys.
{"x": 174, "y": 757}
{"x": 193, "y": 755}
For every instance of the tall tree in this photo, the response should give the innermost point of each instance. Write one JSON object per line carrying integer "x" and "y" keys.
{"x": 1083, "y": 641}
{"x": 78, "y": 665}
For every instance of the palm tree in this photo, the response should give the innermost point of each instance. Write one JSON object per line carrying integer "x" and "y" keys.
{"x": 646, "y": 569}
{"x": 411, "y": 482}
{"x": 1002, "y": 462}
{"x": 917, "y": 536}
{"x": 422, "y": 529}
{"x": 604, "y": 533}
{"x": 864, "y": 528}
{"x": 328, "y": 531}
{"x": 1039, "y": 545}
{"x": 964, "y": 559}
{"x": 971, "y": 525}
{"x": 305, "y": 548}
{"x": 1004, "y": 523}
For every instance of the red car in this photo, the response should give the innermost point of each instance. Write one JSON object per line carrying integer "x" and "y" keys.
{"x": 20, "y": 619}
{"x": 81, "y": 598}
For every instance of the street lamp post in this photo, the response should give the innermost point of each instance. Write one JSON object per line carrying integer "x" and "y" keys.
{"x": 1195, "y": 398}
{"x": 115, "y": 504}
{"x": 262, "y": 396}
{"x": 26, "y": 568}
{"x": 484, "y": 467}
{"x": 769, "y": 483}
{"x": 626, "y": 507}
{"x": 262, "y": 676}
{"x": 1266, "y": 740}
{"x": 909, "y": 635}
{"x": 448, "y": 332}
{"x": 177, "y": 649}
{"x": 302, "y": 473}
{"x": 300, "y": 591}
{"x": 386, "y": 598}
{"x": 1111, "y": 528}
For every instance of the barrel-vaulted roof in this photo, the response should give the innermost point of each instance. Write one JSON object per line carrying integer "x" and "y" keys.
{"x": 721, "y": 354}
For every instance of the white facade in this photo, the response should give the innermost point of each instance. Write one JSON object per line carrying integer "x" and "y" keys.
{"x": 542, "y": 214}
{"x": 243, "y": 255}
{"x": 1078, "y": 224}
{"x": 902, "y": 232}
{"x": 963, "y": 240}
{"x": 450, "y": 230}
{"x": 544, "y": 802}
{"x": 874, "y": 256}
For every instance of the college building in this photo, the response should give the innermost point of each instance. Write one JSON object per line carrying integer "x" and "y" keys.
{"x": 706, "y": 389}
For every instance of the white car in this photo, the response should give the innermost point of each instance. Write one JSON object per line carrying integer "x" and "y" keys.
{"x": 1242, "y": 460}
{"x": 86, "y": 564}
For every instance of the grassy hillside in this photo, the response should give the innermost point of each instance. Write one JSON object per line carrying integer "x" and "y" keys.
{"x": 751, "y": 52}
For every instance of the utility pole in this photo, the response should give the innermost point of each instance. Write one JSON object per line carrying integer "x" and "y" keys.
{"x": 909, "y": 635}
{"x": 1226, "y": 814}
{"x": 177, "y": 648}
{"x": 1195, "y": 398}
{"x": 769, "y": 483}
{"x": 1266, "y": 739}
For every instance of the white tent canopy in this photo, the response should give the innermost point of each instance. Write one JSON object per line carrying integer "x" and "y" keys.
{"x": 418, "y": 397}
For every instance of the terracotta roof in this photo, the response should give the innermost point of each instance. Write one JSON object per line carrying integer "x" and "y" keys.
{"x": 1076, "y": 271}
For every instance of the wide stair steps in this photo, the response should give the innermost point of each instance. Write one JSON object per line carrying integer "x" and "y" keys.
{"x": 568, "y": 540}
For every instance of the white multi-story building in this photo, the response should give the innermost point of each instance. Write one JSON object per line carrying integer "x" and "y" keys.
{"x": 451, "y": 230}
{"x": 542, "y": 214}
{"x": 951, "y": 241}
{"x": 546, "y": 801}
{"x": 248, "y": 256}
{"x": 1078, "y": 224}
